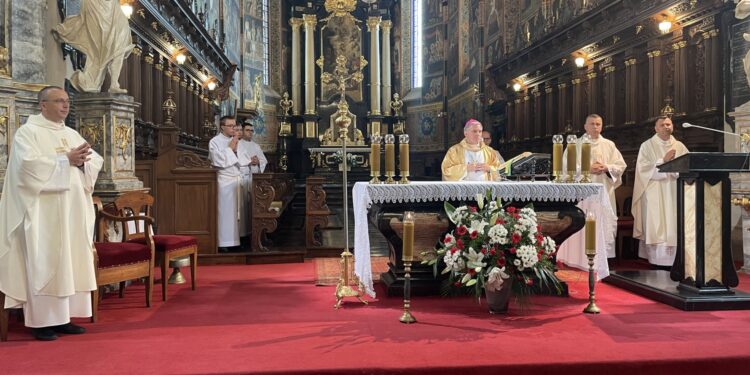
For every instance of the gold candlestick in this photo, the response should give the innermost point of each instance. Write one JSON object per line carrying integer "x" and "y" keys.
{"x": 375, "y": 158}
{"x": 407, "y": 255}
{"x": 586, "y": 159}
{"x": 407, "y": 317}
{"x": 557, "y": 154}
{"x": 403, "y": 158}
{"x": 591, "y": 253}
{"x": 390, "y": 159}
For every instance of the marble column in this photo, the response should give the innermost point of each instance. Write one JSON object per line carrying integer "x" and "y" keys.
{"x": 386, "y": 66}
{"x": 106, "y": 121}
{"x": 373, "y": 26}
{"x": 296, "y": 69}
{"x": 310, "y": 21}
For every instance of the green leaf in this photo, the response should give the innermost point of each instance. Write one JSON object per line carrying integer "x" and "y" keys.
{"x": 471, "y": 282}
{"x": 446, "y": 270}
{"x": 449, "y": 210}
{"x": 466, "y": 278}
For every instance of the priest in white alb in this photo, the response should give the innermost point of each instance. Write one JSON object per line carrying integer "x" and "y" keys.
{"x": 252, "y": 160}
{"x": 222, "y": 151}
{"x": 47, "y": 221}
{"x": 655, "y": 196}
{"x": 471, "y": 159}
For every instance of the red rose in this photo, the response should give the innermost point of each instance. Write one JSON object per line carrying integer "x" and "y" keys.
{"x": 515, "y": 238}
{"x": 474, "y": 235}
{"x": 501, "y": 262}
{"x": 484, "y": 251}
{"x": 472, "y": 272}
{"x": 511, "y": 209}
{"x": 500, "y": 221}
{"x": 472, "y": 209}
{"x": 453, "y": 251}
{"x": 461, "y": 230}
{"x": 448, "y": 239}
{"x": 516, "y": 216}
{"x": 493, "y": 251}
{"x": 457, "y": 284}
{"x": 539, "y": 256}
{"x": 512, "y": 250}
{"x": 460, "y": 244}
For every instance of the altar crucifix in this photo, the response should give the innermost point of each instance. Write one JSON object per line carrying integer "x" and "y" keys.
{"x": 342, "y": 78}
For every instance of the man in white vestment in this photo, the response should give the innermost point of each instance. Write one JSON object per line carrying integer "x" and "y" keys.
{"x": 252, "y": 160}
{"x": 470, "y": 159}
{"x": 655, "y": 196}
{"x": 607, "y": 164}
{"x": 222, "y": 151}
{"x": 47, "y": 221}
{"x": 101, "y": 31}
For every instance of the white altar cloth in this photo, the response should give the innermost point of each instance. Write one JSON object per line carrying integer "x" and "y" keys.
{"x": 591, "y": 197}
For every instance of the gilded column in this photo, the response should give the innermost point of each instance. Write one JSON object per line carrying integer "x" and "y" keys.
{"x": 655, "y": 99}
{"x": 386, "y": 66}
{"x": 310, "y": 20}
{"x": 373, "y": 26}
{"x": 296, "y": 69}
{"x": 631, "y": 91}
{"x": 712, "y": 75}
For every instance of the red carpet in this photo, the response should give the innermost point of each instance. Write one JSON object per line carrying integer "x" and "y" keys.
{"x": 271, "y": 319}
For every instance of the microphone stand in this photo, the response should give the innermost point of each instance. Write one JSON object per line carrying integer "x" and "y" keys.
{"x": 744, "y": 138}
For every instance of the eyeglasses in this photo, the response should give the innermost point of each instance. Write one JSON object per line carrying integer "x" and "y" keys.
{"x": 58, "y": 101}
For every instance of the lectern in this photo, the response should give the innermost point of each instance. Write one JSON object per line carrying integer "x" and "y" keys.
{"x": 703, "y": 274}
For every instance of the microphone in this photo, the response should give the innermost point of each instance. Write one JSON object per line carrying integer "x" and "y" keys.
{"x": 744, "y": 138}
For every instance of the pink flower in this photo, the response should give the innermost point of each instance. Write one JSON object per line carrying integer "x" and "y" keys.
{"x": 512, "y": 250}
{"x": 474, "y": 235}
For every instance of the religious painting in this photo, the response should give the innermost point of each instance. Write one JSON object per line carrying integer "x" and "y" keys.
{"x": 213, "y": 17}
{"x": 422, "y": 125}
{"x": 232, "y": 30}
{"x": 432, "y": 12}
{"x": 253, "y": 49}
{"x": 494, "y": 18}
{"x": 396, "y": 56}
{"x": 460, "y": 109}
{"x": 433, "y": 89}
{"x": 466, "y": 18}
{"x": 266, "y": 129}
{"x": 434, "y": 50}
{"x": 5, "y": 69}
{"x": 341, "y": 36}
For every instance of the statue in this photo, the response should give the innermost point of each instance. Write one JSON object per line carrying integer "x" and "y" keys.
{"x": 258, "y": 92}
{"x": 359, "y": 138}
{"x": 100, "y": 31}
{"x": 286, "y": 104}
{"x": 396, "y": 105}
{"x": 741, "y": 12}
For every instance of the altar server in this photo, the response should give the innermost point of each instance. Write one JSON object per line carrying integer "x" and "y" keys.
{"x": 47, "y": 221}
{"x": 252, "y": 160}
{"x": 655, "y": 196}
{"x": 222, "y": 151}
{"x": 471, "y": 159}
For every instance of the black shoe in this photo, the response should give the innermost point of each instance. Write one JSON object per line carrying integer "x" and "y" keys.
{"x": 69, "y": 329}
{"x": 44, "y": 334}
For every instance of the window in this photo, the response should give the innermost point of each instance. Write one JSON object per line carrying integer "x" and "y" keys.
{"x": 416, "y": 42}
{"x": 264, "y": 5}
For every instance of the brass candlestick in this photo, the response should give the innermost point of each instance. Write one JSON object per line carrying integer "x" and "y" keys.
{"x": 390, "y": 159}
{"x": 557, "y": 154}
{"x": 585, "y": 159}
{"x": 375, "y": 141}
{"x": 403, "y": 156}
{"x": 572, "y": 158}
{"x": 590, "y": 245}
{"x": 407, "y": 317}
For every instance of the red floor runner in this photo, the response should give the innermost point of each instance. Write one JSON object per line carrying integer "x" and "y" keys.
{"x": 272, "y": 319}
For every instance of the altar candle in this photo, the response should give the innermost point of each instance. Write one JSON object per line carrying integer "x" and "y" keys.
{"x": 375, "y": 158}
{"x": 572, "y": 153}
{"x": 557, "y": 153}
{"x": 585, "y": 157}
{"x": 403, "y": 154}
{"x": 408, "y": 237}
{"x": 590, "y": 235}
{"x": 390, "y": 157}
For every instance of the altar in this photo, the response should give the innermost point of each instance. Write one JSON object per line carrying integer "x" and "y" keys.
{"x": 568, "y": 200}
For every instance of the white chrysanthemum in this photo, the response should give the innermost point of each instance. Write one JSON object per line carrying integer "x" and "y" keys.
{"x": 492, "y": 206}
{"x": 453, "y": 261}
{"x": 495, "y": 278}
{"x": 549, "y": 245}
{"x": 528, "y": 255}
{"x": 498, "y": 234}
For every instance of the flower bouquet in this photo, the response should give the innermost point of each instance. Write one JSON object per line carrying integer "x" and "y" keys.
{"x": 495, "y": 249}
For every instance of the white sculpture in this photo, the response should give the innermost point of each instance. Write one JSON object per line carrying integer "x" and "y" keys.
{"x": 741, "y": 12}
{"x": 100, "y": 31}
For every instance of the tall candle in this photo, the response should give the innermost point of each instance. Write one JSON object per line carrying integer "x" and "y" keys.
{"x": 408, "y": 241}
{"x": 585, "y": 157}
{"x": 557, "y": 153}
{"x": 390, "y": 158}
{"x": 403, "y": 154}
{"x": 590, "y": 236}
{"x": 375, "y": 158}
{"x": 572, "y": 156}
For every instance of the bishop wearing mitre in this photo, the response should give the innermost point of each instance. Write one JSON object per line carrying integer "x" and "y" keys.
{"x": 471, "y": 159}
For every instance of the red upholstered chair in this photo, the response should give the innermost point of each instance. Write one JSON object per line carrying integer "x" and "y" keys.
{"x": 624, "y": 199}
{"x": 117, "y": 262}
{"x": 168, "y": 246}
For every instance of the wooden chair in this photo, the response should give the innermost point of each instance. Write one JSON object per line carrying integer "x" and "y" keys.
{"x": 624, "y": 199}
{"x": 168, "y": 246}
{"x": 117, "y": 262}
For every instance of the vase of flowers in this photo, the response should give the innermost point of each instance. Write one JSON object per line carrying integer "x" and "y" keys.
{"x": 495, "y": 251}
